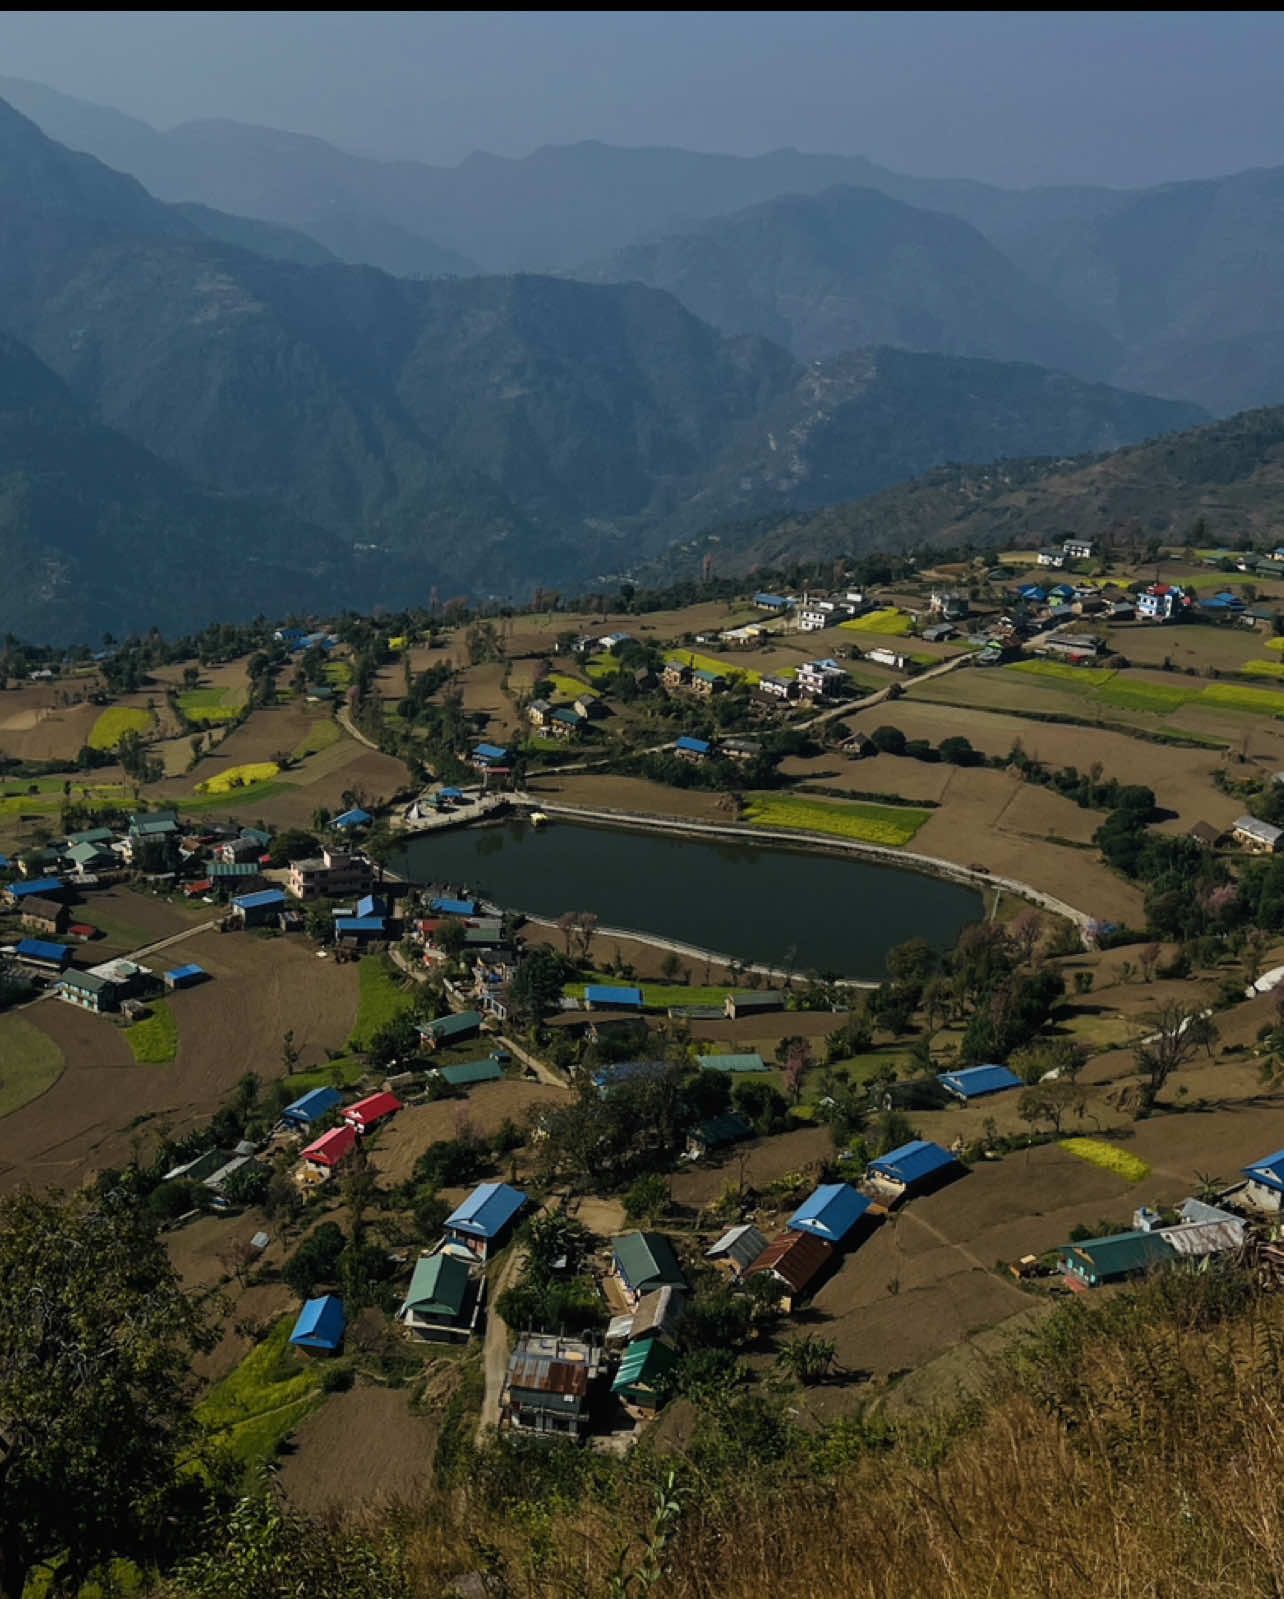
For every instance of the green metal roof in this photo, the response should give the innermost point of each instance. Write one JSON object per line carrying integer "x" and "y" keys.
{"x": 1117, "y": 1256}
{"x": 646, "y": 1260}
{"x": 733, "y": 1063}
{"x": 438, "y": 1287}
{"x": 470, "y": 1071}
{"x": 643, "y": 1365}
{"x": 449, "y": 1026}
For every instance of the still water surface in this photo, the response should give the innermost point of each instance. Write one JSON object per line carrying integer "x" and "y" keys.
{"x": 750, "y": 900}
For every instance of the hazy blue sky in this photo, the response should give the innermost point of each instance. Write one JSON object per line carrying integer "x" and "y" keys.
{"x": 1014, "y": 97}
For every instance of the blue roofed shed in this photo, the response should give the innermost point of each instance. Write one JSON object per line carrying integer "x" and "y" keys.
{"x": 43, "y": 952}
{"x": 913, "y": 1168}
{"x": 360, "y": 927}
{"x": 184, "y": 976}
{"x": 489, "y": 755}
{"x": 259, "y": 906}
{"x": 1266, "y": 1182}
{"x": 607, "y": 996}
{"x": 830, "y": 1213}
{"x": 46, "y": 887}
{"x": 308, "y": 1107}
{"x": 372, "y": 905}
{"x": 485, "y": 1218}
{"x": 686, "y": 745}
{"x": 975, "y": 1082}
{"x": 320, "y": 1327}
{"x": 452, "y": 907}
{"x": 356, "y": 817}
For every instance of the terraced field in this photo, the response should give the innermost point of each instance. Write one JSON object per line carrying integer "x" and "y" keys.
{"x": 113, "y": 724}
{"x": 893, "y": 825}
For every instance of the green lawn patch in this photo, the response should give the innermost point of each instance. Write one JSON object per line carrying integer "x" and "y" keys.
{"x": 382, "y": 999}
{"x": 601, "y": 665}
{"x": 1236, "y": 697}
{"x": 320, "y": 736}
{"x": 1109, "y": 1157}
{"x": 1081, "y": 677}
{"x": 345, "y": 1072}
{"x": 154, "y": 1041}
{"x": 893, "y": 825}
{"x": 210, "y": 704}
{"x": 236, "y": 796}
{"x": 657, "y": 996}
{"x": 114, "y": 723}
{"x": 256, "y": 1407}
{"x": 30, "y": 1062}
{"x": 572, "y": 688}
{"x": 1131, "y": 694}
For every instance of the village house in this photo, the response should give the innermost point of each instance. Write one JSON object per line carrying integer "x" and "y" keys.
{"x": 454, "y": 1029}
{"x": 443, "y": 1301}
{"x": 740, "y": 750}
{"x": 352, "y": 821}
{"x": 657, "y": 1315}
{"x": 755, "y": 1003}
{"x": 896, "y": 659}
{"x": 489, "y": 758}
{"x": 675, "y": 675}
{"x": 1074, "y": 646}
{"x": 610, "y": 996}
{"x": 186, "y": 976}
{"x": 484, "y": 1221}
{"x": 1052, "y": 556}
{"x": 538, "y": 712}
{"x": 88, "y": 990}
{"x": 564, "y": 722}
{"x": 589, "y": 706}
{"x": 1162, "y": 602}
{"x": 1114, "y": 1259}
{"x": 776, "y": 687}
{"x": 42, "y": 955}
{"x": 468, "y": 1073}
{"x": 747, "y": 637}
{"x": 716, "y": 1132}
{"x": 1078, "y": 549}
{"x": 749, "y": 1062}
{"x": 44, "y": 915}
{"x": 737, "y": 1249}
{"x": 794, "y": 1262}
{"x": 776, "y": 603}
{"x": 914, "y": 1168}
{"x": 705, "y": 684}
{"x": 334, "y": 874}
{"x": 231, "y": 851}
{"x": 819, "y": 679}
{"x": 310, "y": 1107}
{"x": 1259, "y": 837}
{"x": 939, "y": 633}
{"x": 329, "y": 1151}
{"x": 644, "y": 1262}
{"x": 35, "y": 887}
{"x": 950, "y": 605}
{"x": 367, "y": 1113}
{"x": 320, "y": 1327}
{"x": 640, "y": 1382}
{"x": 550, "y": 1386}
{"x": 692, "y": 749}
{"x": 978, "y": 1082}
{"x": 830, "y": 1213}
{"x": 1265, "y": 1186}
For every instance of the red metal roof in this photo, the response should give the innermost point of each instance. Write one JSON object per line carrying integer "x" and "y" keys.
{"x": 331, "y": 1147}
{"x": 372, "y": 1109}
{"x": 795, "y": 1258}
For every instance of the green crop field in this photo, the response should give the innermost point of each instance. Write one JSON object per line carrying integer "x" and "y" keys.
{"x": 210, "y": 705}
{"x": 154, "y": 1041}
{"x": 320, "y": 736}
{"x": 1134, "y": 695}
{"x": 572, "y": 688}
{"x": 30, "y": 1062}
{"x": 338, "y": 674}
{"x": 114, "y": 723}
{"x": 708, "y": 663}
{"x": 1234, "y": 697}
{"x": 1123, "y": 692}
{"x": 892, "y": 623}
{"x": 1079, "y": 677}
{"x": 893, "y": 825}
{"x": 1262, "y": 669}
{"x": 601, "y": 665}
{"x": 256, "y": 1407}
{"x": 1109, "y": 1157}
{"x": 382, "y": 999}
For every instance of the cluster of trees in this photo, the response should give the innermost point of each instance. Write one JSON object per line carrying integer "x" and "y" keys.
{"x": 554, "y": 1293}
{"x": 956, "y": 751}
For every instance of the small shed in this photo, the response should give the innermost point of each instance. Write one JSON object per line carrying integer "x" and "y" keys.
{"x": 737, "y": 1249}
{"x": 42, "y": 954}
{"x": 976, "y": 1082}
{"x": 320, "y": 1327}
{"x": 184, "y": 976}
{"x": 830, "y": 1212}
{"x": 253, "y": 910}
{"x": 755, "y": 1003}
{"x": 311, "y": 1106}
{"x": 794, "y": 1260}
{"x": 450, "y": 1029}
{"x": 717, "y": 1132}
{"x": 350, "y": 820}
{"x": 639, "y": 1382}
{"x": 445, "y": 906}
{"x": 360, "y": 928}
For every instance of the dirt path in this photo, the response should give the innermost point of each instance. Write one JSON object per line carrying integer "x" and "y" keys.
{"x": 495, "y": 1349}
{"x": 345, "y": 722}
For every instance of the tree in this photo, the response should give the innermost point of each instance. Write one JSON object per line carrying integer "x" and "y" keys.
{"x": 1052, "y": 1102}
{"x": 670, "y": 966}
{"x": 289, "y": 1052}
{"x": 1173, "y": 1042}
{"x": 1025, "y": 932}
{"x": 647, "y": 1199}
{"x": 316, "y": 1260}
{"x": 96, "y": 1343}
{"x": 888, "y": 740}
{"x": 537, "y": 985}
{"x": 763, "y": 1104}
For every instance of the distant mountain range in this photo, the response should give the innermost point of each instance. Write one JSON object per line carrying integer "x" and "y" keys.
{"x": 1205, "y": 486}
{"x": 1176, "y": 290}
{"x": 491, "y": 431}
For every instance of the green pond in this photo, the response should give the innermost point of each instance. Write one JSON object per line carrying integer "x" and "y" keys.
{"x": 816, "y": 912}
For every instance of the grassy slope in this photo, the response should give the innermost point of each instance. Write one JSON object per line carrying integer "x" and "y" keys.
{"x": 30, "y": 1062}
{"x": 154, "y": 1041}
{"x": 382, "y": 998}
{"x": 257, "y": 1406}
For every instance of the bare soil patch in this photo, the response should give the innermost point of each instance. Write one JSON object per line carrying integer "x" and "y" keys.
{"x": 603, "y": 791}
{"x": 360, "y": 1449}
{"x": 768, "y": 1159}
{"x": 486, "y": 1108}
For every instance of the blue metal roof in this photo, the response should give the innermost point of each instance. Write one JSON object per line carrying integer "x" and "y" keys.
{"x": 353, "y": 818}
{"x": 453, "y": 907}
{"x": 260, "y": 899}
{"x": 770, "y": 599}
{"x": 973, "y": 1082}
{"x": 311, "y": 1105}
{"x": 912, "y": 1162}
{"x": 40, "y": 885}
{"x": 182, "y": 974}
{"x": 624, "y": 1071}
{"x": 491, "y": 752}
{"x": 450, "y": 793}
{"x": 372, "y": 905}
{"x": 697, "y": 746}
{"x": 1269, "y": 1172}
{"x": 606, "y": 994}
{"x": 42, "y": 949}
{"x": 360, "y": 924}
{"x": 321, "y": 1324}
{"x": 830, "y": 1213}
{"x": 487, "y": 1210}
